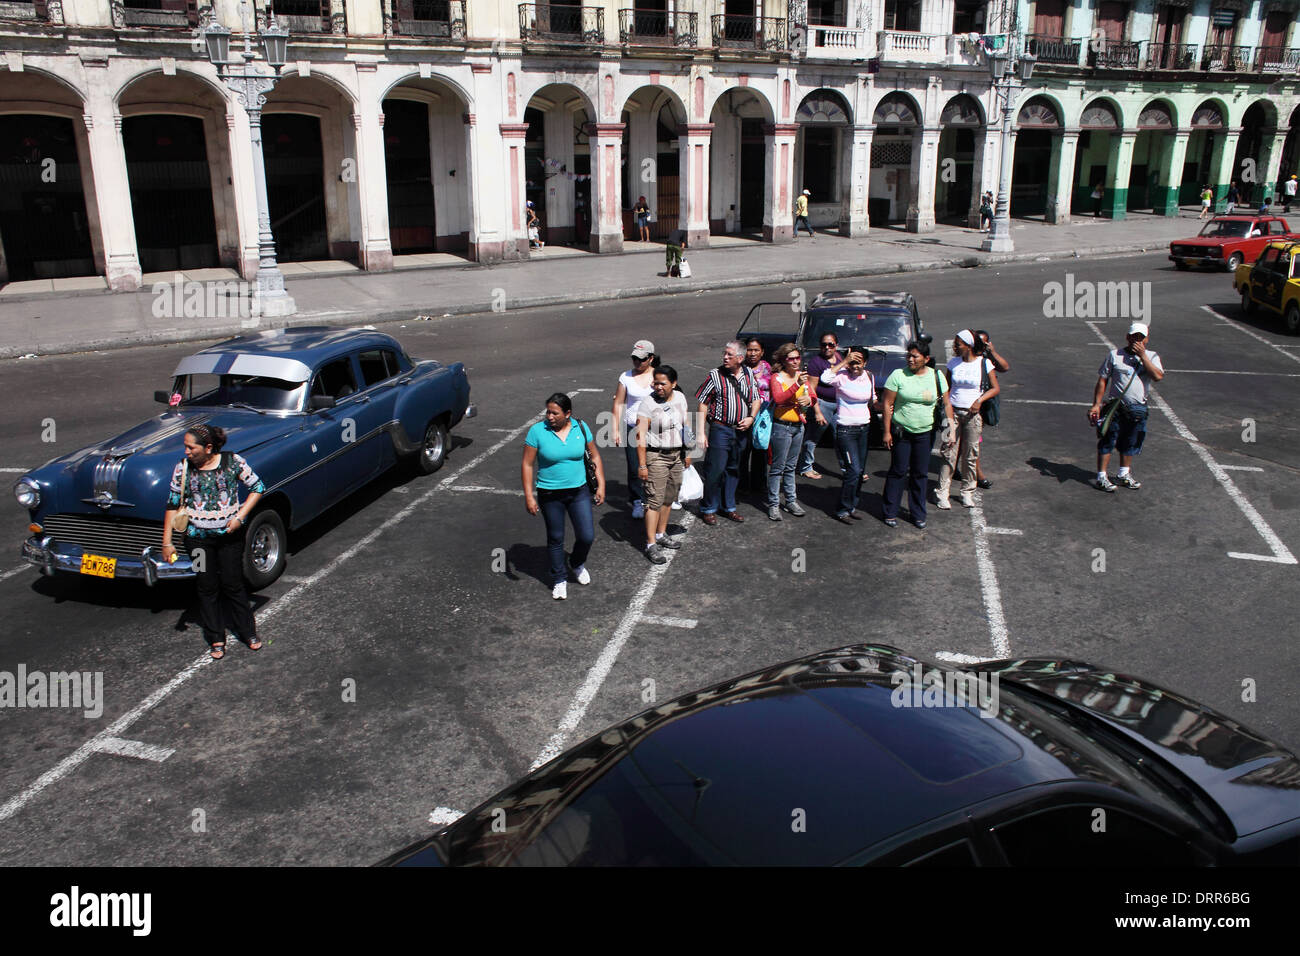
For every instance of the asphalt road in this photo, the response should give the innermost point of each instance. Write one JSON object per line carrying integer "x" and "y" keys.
{"x": 464, "y": 674}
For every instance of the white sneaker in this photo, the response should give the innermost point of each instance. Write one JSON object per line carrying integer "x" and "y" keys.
{"x": 943, "y": 504}
{"x": 966, "y": 500}
{"x": 638, "y": 509}
{"x": 582, "y": 575}
{"x": 561, "y": 591}
{"x": 677, "y": 506}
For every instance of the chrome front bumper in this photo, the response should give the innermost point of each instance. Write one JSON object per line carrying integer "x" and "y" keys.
{"x": 50, "y": 556}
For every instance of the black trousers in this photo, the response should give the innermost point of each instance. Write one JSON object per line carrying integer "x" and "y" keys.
{"x": 223, "y": 599}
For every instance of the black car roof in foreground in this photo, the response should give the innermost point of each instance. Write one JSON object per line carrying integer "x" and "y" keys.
{"x": 718, "y": 769}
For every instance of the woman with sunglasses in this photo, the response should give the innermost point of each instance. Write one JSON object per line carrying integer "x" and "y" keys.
{"x": 633, "y": 386}
{"x": 791, "y": 401}
{"x": 855, "y": 393}
{"x": 754, "y": 468}
{"x": 910, "y": 397}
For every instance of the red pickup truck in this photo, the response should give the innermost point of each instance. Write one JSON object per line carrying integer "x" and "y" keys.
{"x": 1228, "y": 241}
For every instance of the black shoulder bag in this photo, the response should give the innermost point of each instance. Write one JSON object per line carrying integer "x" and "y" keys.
{"x": 592, "y": 482}
{"x": 990, "y": 411}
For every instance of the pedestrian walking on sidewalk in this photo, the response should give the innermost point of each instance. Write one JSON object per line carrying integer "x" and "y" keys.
{"x": 1207, "y": 197}
{"x": 1289, "y": 191}
{"x": 855, "y": 393}
{"x": 1098, "y": 193}
{"x": 968, "y": 370}
{"x": 534, "y": 227}
{"x": 1124, "y": 383}
{"x": 633, "y": 387}
{"x": 206, "y": 485}
{"x": 1234, "y": 197}
{"x": 801, "y": 214}
{"x": 986, "y": 210}
{"x": 642, "y": 212}
{"x": 662, "y": 458}
{"x": 728, "y": 402}
{"x": 792, "y": 403}
{"x": 912, "y": 395}
{"x": 555, "y": 483}
{"x": 676, "y": 244}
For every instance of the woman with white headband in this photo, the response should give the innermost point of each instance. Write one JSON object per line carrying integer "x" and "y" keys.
{"x": 967, "y": 370}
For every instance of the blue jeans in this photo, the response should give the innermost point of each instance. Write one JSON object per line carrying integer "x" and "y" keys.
{"x": 910, "y": 460}
{"x": 722, "y": 467}
{"x": 576, "y": 502}
{"x": 784, "y": 446}
{"x": 635, "y": 487}
{"x": 813, "y": 432}
{"x": 851, "y": 445}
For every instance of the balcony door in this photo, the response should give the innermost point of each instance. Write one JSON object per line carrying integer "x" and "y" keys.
{"x": 1111, "y": 18}
{"x": 1272, "y": 42}
{"x": 1169, "y": 24}
{"x": 1223, "y": 25}
{"x": 968, "y": 16}
{"x": 903, "y": 15}
{"x": 827, "y": 13}
{"x": 1049, "y": 19}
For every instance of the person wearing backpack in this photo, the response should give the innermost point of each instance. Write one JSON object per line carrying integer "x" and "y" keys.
{"x": 204, "y": 494}
{"x": 912, "y": 395}
{"x": 968, "y": 370}
{"x": 855, "y": 393}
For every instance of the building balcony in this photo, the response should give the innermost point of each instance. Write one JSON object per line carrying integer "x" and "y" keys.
{"x": 1278, "y": 60}
{"x": 432, "y": 18}
{"x": 157, "y": 14}
{"x": 308, "y": 16}
{"x": 1060, "y": 51}
{"x": 1172, "y": 56}
{"x": 750, "y": 33}
{"x": 1117, "y": 55}
{"x": 837, "y": 43}
{"x": 1218, "y": 58}
{"x": 907, "y": 47}
{"x": 561, "y": 23}
{"x": 19, "y": 11}
{"x": 657, "y": 28}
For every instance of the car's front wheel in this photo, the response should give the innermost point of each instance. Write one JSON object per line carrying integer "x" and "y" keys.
{"x": 1292, "y": 319}
{"x": 1234, "y": 260}
{"x": 265, "y": 549}
{"x": 1247, "y": 303}
{"x": 433, "y": 450}
{"x": 1179, "y": 263}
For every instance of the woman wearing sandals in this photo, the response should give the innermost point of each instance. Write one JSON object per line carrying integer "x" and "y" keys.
{"x": 206, "y": 484}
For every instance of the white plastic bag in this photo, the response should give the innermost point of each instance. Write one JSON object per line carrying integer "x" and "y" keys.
{"x": 685, "y": 269}
{"x": 692, "y": 486}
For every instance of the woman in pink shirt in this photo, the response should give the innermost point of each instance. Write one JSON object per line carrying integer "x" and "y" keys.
{"x": 855, "y": 393}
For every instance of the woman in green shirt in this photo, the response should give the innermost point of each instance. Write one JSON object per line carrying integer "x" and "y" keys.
{"x": 910, "y": 396}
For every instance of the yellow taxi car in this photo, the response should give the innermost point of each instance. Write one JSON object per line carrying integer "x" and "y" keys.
{"x": 1272, "y": 283}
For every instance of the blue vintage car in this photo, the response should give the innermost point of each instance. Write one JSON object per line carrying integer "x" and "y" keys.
{"x": 317, "y": 412}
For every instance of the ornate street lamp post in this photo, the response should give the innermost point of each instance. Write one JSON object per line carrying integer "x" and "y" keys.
{"x": 250, "y": 86}
{"x": 1003, "y": 68}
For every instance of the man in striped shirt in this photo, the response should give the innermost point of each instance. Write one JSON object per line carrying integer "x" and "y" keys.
{"x": 729, "y": 400}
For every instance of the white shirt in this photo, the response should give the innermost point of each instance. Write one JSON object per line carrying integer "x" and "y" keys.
{"x": 634, "y": 395}
{"x": 1118, "y": 369}
{"x": 666, "y": 419}
{"x": 966, "y": 380}
{"x": 853, "y": 396}
{"x": 1290, "y": 187}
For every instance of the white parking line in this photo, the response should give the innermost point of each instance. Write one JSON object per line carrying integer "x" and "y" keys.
{"x": 687, "y": 622}
{"x": 18, "y": 570}
{"x": 133, "y": 748}
{"x": 1253, "y": 334}
{"x": 989, "y": 583}
{"x": 441, "y": 816}
{"x": 953, "y": 658}
{"x": 486, "y": 489}
{"x": 988, "y": 530}
{"x": 1217, "y": 371}
{"x": 119, "y": 726}
{"x": 608, "y": 655}
{"x": 1240, "y": 468}
{"x": 14, "y": 471}
{"x": 1280, "y": 553}
{"x": 1044, "y": 401}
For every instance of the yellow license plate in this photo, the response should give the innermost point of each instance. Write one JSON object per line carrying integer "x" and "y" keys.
{"x": 99, "y": 566}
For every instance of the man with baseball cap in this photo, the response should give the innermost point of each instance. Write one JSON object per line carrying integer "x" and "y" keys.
{"x": 801, "y": 214}
{"x": 1124, "y": 382}
{"x": 1289, "y": 191}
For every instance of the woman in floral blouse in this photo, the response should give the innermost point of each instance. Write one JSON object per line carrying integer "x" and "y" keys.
{"x": 207, "y": 484}
{"x": 754, "y": 469}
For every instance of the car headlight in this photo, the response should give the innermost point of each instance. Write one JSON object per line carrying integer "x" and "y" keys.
{"x": 27, "y": 492}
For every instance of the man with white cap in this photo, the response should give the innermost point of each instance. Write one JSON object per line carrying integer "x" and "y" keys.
{"x": 801, "y": 214}
{"x": 1123, "y": 382}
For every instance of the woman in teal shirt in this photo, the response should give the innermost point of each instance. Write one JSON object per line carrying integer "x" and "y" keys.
{"x": 910, "y": 396}
{"x": 555, "y": 483}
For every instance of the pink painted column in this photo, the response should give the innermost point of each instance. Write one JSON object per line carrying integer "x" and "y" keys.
{"x": 778, "y": 195}
{"x": 693, "y": 142}
{"x": 606, "y": 141}
{"x": 512, "y": 137}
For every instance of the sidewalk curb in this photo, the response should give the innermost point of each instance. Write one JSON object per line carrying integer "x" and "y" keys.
{"x": 414, "y": 313}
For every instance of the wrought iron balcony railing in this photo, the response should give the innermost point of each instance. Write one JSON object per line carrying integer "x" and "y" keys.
{"x": 1172, "y": 56}
{"x": 1055, "y": 50}
{"x": 657, "y": 28}
{"x": 302, "y": 16}
{"x": 561, "y": 23}
{"x": 750, "y": 33}
{"x": 432, "y": 18}
{"x": 1277, "y": 60}
{"x": 1220, "y": 58}
{"x": 1118, "y": 55}
{"x": 152, "y": 13}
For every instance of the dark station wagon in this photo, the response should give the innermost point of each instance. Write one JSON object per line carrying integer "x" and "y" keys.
{"x": 317, "y": 412}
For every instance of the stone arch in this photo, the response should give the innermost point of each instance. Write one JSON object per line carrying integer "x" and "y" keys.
{"x": 350, "y": 96}
{"x": 50, "y": 86}
{"x": 569, "y": 95}
{"x": 963, "y": 110}
{"x": 557, "y": 160}
{"x": 1265, "y": 109}
{"x": 413, "y": 80}
{"x": 824, "y": 118}
{"x": 739, "y": 159}
{"x": 652, "y": 115}
{"x": 753, "y": 96}
{"x": 897, "y": 108}
{"x": 1101, "y": 112}
{"x": 824, "y": 106}
{"x": 1159, "y": 113}
{"x": 146, "y": 76}
{"x": 1041, "y": 111}
{"x": 1210, "y": 114}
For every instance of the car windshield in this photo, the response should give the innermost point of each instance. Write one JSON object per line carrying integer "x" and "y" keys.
{"x": 256, "y": 391}
{"x": 879, "y": 330}
{"x": 1225, "y": 230}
